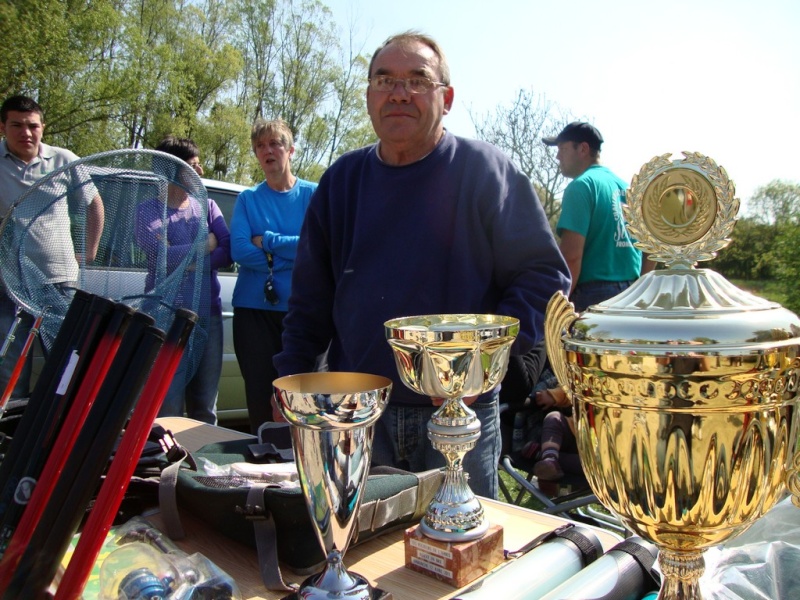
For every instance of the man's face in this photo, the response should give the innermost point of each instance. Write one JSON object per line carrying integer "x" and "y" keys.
{"x": 402, "y": 119}
{"x": 23, "y": 131}
{"x": 272, "y": 155}
{"x": 570, "y": 159}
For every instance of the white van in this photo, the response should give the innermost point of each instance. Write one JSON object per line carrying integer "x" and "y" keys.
{"x": 231, "y": 405}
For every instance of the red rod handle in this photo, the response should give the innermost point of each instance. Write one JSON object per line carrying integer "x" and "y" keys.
{"x": 122, "y": 467}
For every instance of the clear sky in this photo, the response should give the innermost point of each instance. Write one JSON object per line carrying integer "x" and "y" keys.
{"x": 719, "y": 77}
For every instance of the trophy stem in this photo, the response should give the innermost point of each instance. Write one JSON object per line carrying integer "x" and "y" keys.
{"x": 681, "y": 571}
{"x": 454, "y": 514}
{"x": 335, "y": 578}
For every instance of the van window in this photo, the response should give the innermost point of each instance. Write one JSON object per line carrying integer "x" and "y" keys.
{"x": 225, "y": 199}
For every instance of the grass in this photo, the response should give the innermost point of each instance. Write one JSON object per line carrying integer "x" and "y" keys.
{"x": 529, "y": 501}
{"x": 513, "y": 487}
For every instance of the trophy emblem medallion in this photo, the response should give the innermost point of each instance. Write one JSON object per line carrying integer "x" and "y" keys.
{"x": 683, "y": 387}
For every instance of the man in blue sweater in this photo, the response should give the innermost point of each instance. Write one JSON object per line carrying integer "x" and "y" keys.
{"x": 421, "y": 222}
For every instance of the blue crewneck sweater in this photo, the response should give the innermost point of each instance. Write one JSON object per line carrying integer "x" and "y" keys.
{"x": 460, "y": 231}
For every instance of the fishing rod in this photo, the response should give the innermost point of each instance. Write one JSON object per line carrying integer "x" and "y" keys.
{"x": 122, "y": 467}
{"x": 23, "y": 355}
{"x": 20, "y": 529}
{"x": 37, "y": 439}
{"x": 61, "y": 517}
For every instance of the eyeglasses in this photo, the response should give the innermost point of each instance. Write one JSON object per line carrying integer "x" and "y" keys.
{"x": 412, "y": 85}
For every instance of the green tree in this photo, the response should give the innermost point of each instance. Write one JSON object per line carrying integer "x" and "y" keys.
{"x": 224, "y": 141}
{"x": 295, "y": 69}
{"x": 177, "y": 63}
{"x": 776, "y": 203}
{"x": 787, "y": 267}
{"x": 123, "y": 73}
{"x": 343, "y": 124}
{"x": 56, "y": 51}
{"x": 747, "y": 256}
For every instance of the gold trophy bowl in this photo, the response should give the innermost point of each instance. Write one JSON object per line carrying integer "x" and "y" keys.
{"x": 452, "y": 357}
{"x": 683, "y": 386}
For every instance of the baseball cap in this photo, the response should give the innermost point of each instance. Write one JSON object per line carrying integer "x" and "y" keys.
{"x": 577, "y": 132}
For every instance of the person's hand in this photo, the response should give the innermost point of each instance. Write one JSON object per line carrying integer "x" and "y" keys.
{"x": 467, "y": 400}
{"x": 551, "y": 398}
{"x": 212, "y": 243}
{"x": 268, "y": 240}
{"x": 257, "y": 239}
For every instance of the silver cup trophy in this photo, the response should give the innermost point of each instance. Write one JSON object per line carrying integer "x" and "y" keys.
{"x": 332, "y": 416}
{"x": 452, "y": 357}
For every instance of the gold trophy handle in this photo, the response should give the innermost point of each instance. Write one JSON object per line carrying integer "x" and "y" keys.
{"x": 559, "y": 316}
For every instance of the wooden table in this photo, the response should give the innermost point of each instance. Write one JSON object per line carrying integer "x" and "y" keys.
{"x": 381, "y": 559}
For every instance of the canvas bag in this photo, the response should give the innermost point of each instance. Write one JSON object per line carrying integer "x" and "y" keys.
{"x": 276, "y": 520}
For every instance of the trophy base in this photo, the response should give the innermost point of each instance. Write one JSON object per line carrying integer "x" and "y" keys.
{"x": 456, "y": 563}
{"x": 375, "y": 594}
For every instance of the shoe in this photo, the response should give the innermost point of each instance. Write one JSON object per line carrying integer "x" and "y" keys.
{"x": 531, "y": 451}
{"x": 548, "y": 470}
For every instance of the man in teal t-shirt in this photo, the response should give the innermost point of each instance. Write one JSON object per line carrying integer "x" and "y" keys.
{"x": 594, "y": 240}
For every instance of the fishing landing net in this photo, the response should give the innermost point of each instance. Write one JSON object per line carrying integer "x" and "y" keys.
{"x": 151, "y": 252}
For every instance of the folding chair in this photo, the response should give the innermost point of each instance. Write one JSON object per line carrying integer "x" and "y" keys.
{"x": 570, "y": 498}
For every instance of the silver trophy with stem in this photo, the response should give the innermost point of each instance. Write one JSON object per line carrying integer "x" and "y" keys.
{"x": 332, "y": 416}
{"x": 452, "y": 356}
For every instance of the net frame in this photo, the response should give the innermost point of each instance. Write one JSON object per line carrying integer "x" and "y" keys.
{"x": 45, "y": 233}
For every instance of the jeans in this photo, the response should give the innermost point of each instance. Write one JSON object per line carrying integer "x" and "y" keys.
{"x": 201, "y": 391}
{"x": 401, "y": 441}
{"x": 7, "y": 315}
{"x": 594, "y": 292}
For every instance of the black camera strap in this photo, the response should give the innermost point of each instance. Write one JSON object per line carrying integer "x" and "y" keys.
{"x": 270, "y": 261}
{"x": 270, "y": 295}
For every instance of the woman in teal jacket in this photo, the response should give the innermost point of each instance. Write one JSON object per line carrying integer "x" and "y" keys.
{"x": 265, "y": 229}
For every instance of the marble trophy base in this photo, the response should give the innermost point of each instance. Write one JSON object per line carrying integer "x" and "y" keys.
{"x": 456, "y": 563}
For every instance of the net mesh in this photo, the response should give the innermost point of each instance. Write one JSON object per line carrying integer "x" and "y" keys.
{"x": 151, "y": 250}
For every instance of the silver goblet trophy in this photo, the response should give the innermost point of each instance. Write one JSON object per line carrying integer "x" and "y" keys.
{"x": 452, "y": 357}
{"x": 684, "y": 388}
{"x": 332, "y": 416}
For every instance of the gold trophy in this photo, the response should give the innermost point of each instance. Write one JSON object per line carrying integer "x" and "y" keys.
{"x": 453, "y": 357}
{"x": 683, "y": 386}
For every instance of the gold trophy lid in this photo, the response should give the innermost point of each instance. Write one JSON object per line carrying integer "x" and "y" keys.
{"x": 682, "y": 212}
